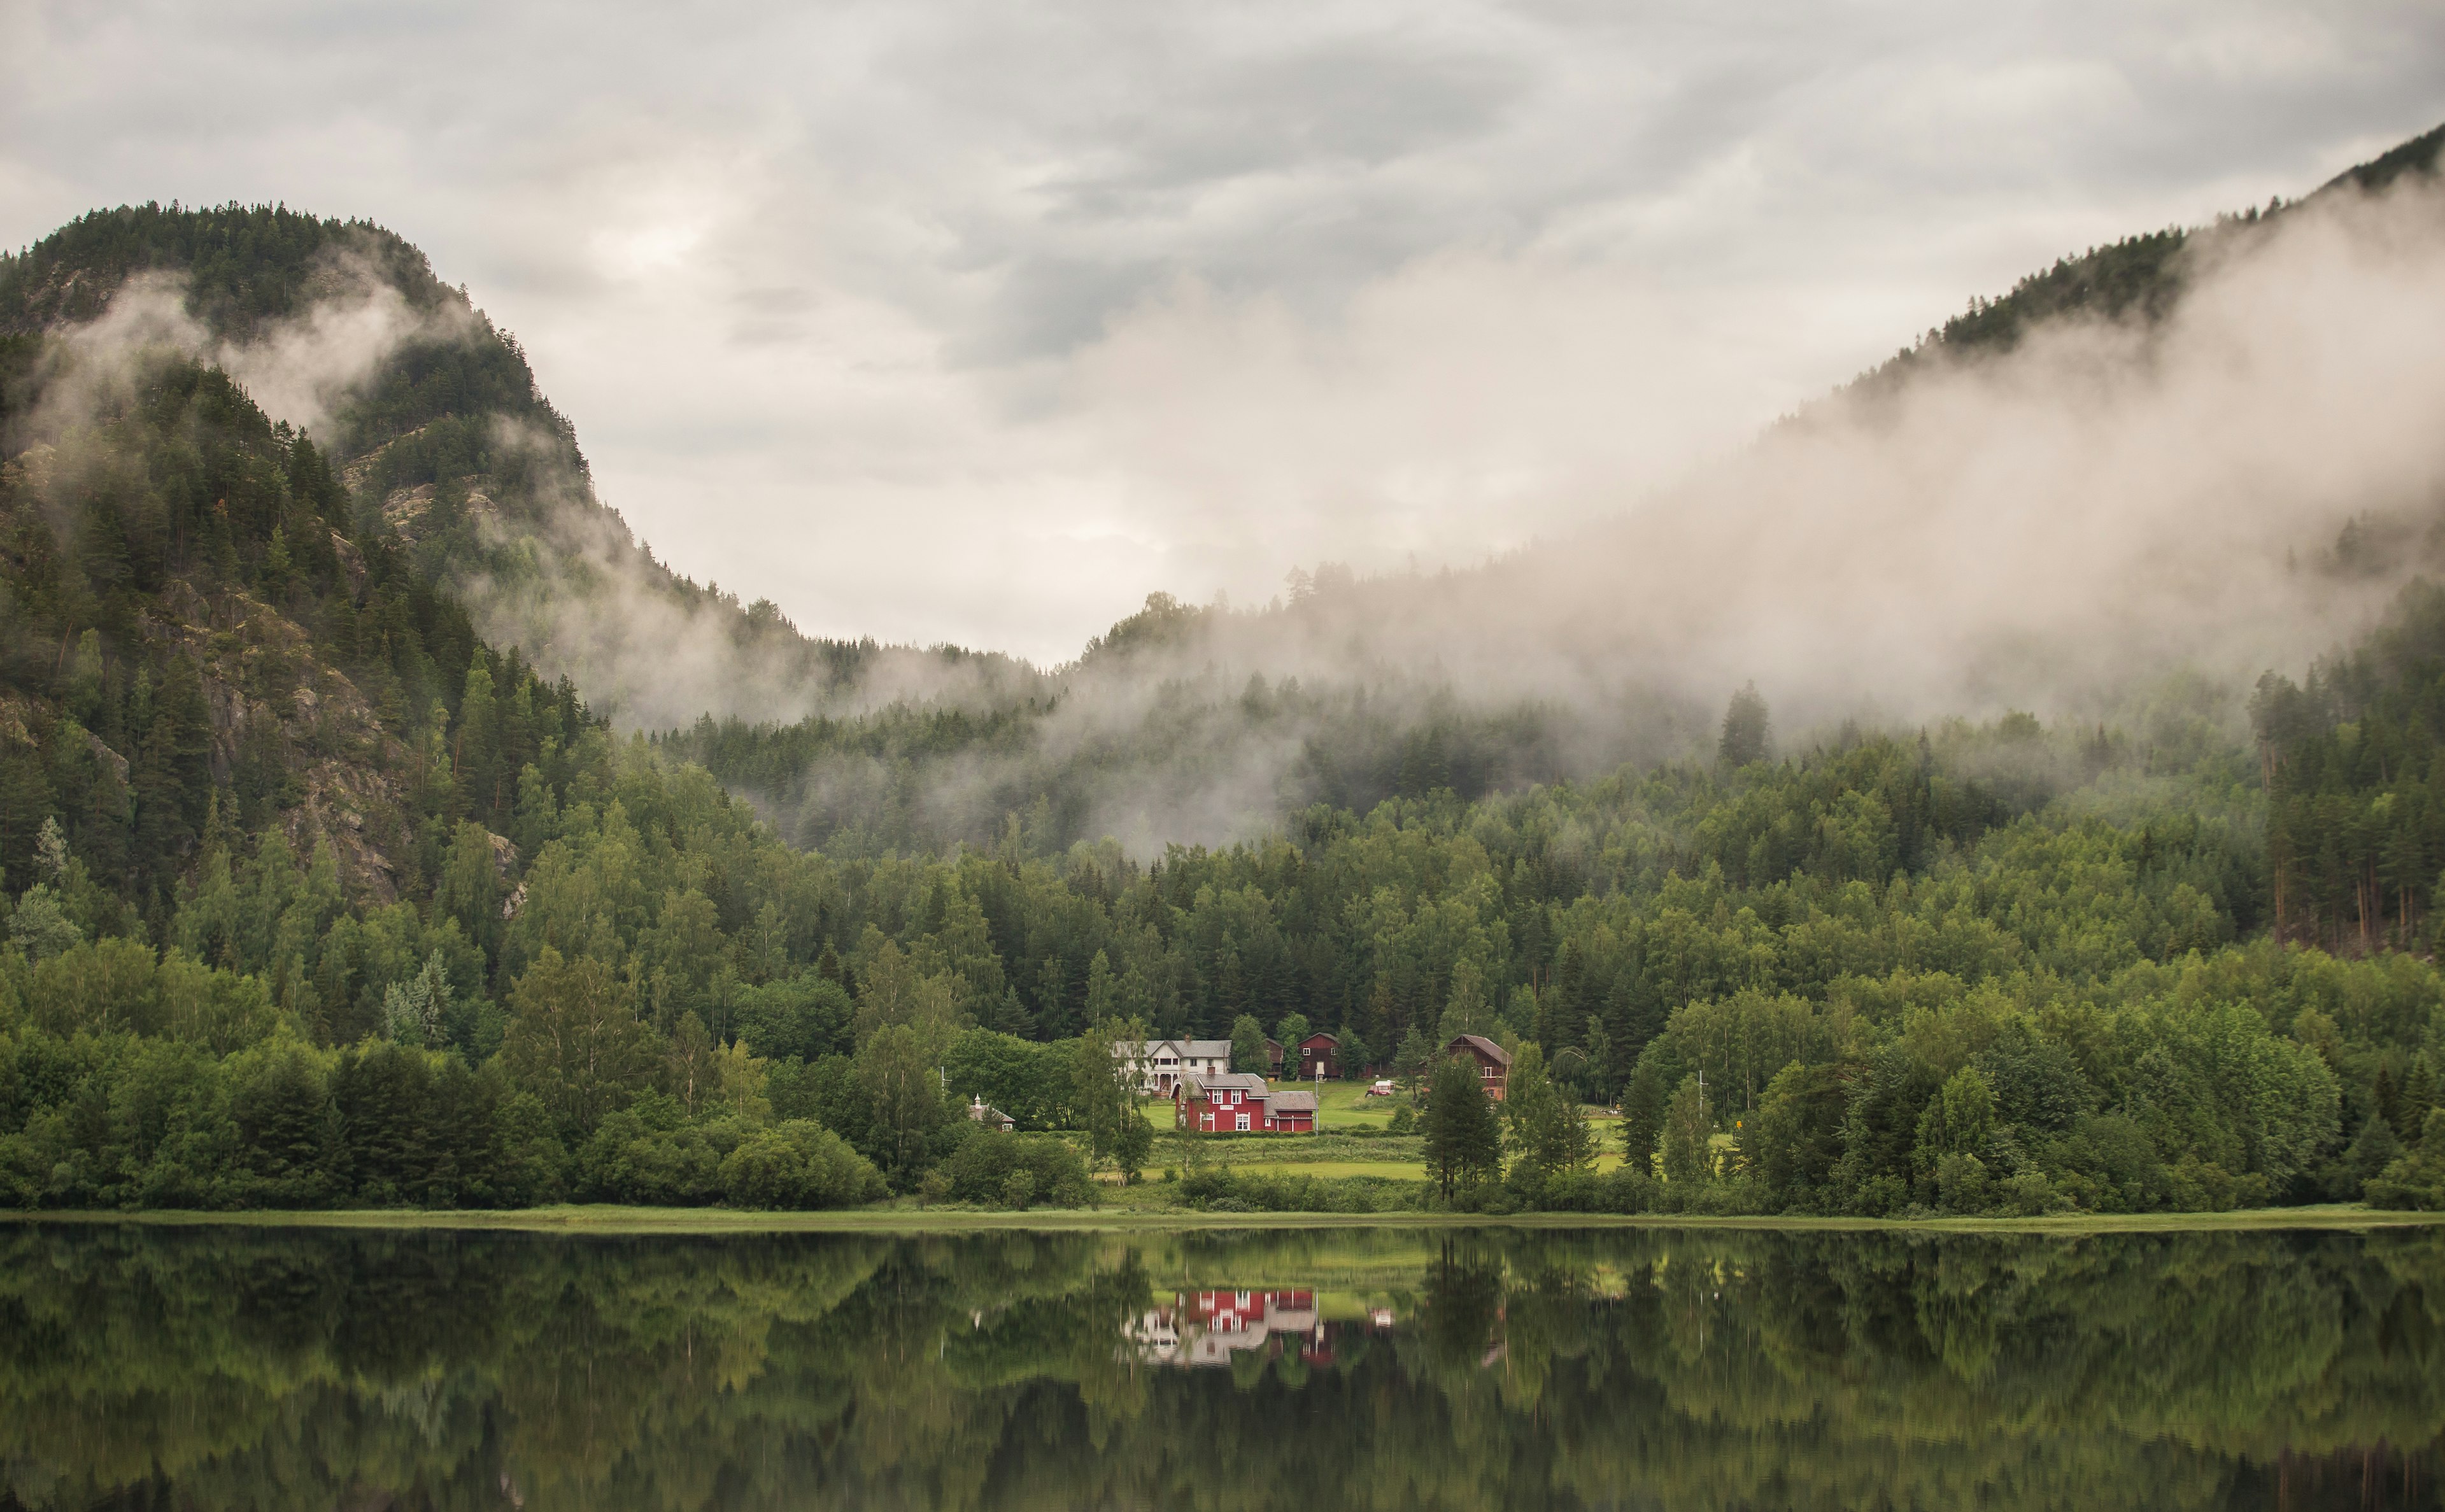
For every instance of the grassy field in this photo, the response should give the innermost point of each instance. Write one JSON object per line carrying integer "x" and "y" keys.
{"x": 1136, "y": 1212}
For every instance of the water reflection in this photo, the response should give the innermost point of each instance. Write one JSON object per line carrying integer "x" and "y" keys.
{"x": 1211, "y": 1327}
{"x": 232, "y": 1367}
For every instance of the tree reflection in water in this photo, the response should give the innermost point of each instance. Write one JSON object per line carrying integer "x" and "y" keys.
{"x": 232, "y": 1368}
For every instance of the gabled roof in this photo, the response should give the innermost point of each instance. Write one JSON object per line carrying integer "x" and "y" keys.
{"x": 1225, "y": 1081}
{"x": 1294, "y": 1102}
{"x": 1483, "y": 1045}
{"x": 1185, "y": 1049}
{"x": 1329, "y": 1039}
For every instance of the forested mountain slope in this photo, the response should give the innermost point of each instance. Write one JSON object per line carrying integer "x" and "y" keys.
{"x": 318, "y": 893}
{"x": 2210, "y": 450}
{"x": 434, "y": 421}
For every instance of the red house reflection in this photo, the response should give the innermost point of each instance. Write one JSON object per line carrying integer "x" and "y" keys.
{"x": 1209, "y": 1328}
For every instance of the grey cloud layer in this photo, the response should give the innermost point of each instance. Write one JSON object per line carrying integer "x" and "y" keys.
{"x": 973, "y": 322}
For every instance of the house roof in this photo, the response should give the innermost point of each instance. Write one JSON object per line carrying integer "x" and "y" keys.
{"x": 1294, "y": 1102}
{"x": 1227, "y": 1081}
{"x": 1484, "y": 1046}
{"x": 1319, "y": 1036}
{"x": 1185, "y": 1049}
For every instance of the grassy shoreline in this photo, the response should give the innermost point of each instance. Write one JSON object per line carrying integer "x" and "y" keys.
{"x": 703, "y": 1221}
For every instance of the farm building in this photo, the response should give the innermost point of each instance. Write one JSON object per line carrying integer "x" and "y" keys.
{"x": 1493, "y": 1061}
{"x": 1239, "y": 1103}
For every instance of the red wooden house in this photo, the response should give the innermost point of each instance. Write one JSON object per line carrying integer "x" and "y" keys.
{"x": 1237, "y": 1101}
{"x": 1320, "y": 1056}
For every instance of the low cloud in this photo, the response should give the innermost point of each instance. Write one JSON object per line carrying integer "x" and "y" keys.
{"x": 303, "y": 369}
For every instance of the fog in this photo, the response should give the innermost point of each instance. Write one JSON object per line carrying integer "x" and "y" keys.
{"x": 2057, "y": 528}
{"x": 301, "y": 370}
{"x": 2054, "y": 528}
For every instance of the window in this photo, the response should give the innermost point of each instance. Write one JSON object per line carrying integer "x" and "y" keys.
{"x": 1243, "y": 1123}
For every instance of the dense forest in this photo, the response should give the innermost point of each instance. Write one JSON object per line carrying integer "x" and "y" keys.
{"x": 316, "y": 894}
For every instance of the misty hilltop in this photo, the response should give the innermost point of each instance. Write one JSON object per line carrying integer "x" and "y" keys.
{"x": 435, "y": 424}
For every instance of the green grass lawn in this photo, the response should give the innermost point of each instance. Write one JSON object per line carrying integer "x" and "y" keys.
{"x": 1411, "y": 1169}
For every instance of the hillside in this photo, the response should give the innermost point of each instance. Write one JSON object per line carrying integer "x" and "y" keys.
{"x": 435, "y": 423}
{"x": 327, "y": 881}
{"x": 2202, "y": 477}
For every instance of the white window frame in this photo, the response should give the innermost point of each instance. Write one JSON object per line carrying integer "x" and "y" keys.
{"x": 1243, "y": 1123}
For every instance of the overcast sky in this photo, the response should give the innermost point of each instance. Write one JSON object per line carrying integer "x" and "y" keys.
{"x": 939, "y": 321}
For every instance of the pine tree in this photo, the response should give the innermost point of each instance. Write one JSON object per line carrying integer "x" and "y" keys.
{"x": 1464, "y": 1143}
{"x": 1745, "y": 733}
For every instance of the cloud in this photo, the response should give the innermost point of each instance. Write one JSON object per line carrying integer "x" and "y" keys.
{"x": 2108, "y": 502}
{"x": 838, "y": 297}
{"x": 300, "y": 370}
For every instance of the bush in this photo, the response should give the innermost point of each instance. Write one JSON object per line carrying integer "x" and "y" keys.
{"x": 645, "y": 1155}
{"x": 1219, "y": 1189}
{"x": 1961, "y": 1183}
{"x": 798, "y": 1165}
{"x": 1017, "y": 1171}
{"x": 1622, "y": 1190}
{"x": 2416, "y": 1180}
{"x": 2030, "y": 1195}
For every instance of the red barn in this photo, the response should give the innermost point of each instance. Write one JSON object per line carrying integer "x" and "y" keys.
{"x": 1320, "y": 1056}
{"x": 1240, "y": 1103}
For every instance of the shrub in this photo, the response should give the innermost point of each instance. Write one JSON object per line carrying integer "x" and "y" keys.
{"x": 1219, "y": 1189}
{"x": 1017, "y": 1171}
{"x": 2416, "y": 1180}
{"x": 797, "y": 1164}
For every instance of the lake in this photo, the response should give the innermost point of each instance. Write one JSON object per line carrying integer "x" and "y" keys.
{"x": 1396, "y": 1369}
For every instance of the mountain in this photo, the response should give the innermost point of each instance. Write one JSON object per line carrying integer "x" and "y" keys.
{"x": 2170, "y": 456}
{"x": 336, "y": 867}
{"x": 435, "y": 425}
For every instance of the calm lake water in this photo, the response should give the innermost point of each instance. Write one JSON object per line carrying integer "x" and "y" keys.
{"x": 1352, "y": 1369}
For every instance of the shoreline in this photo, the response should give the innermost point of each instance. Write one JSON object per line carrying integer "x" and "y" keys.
{"x": 719, "y": 1221}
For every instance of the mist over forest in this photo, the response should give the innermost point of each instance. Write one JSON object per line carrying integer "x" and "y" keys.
{"x": 2009, "y": 781}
